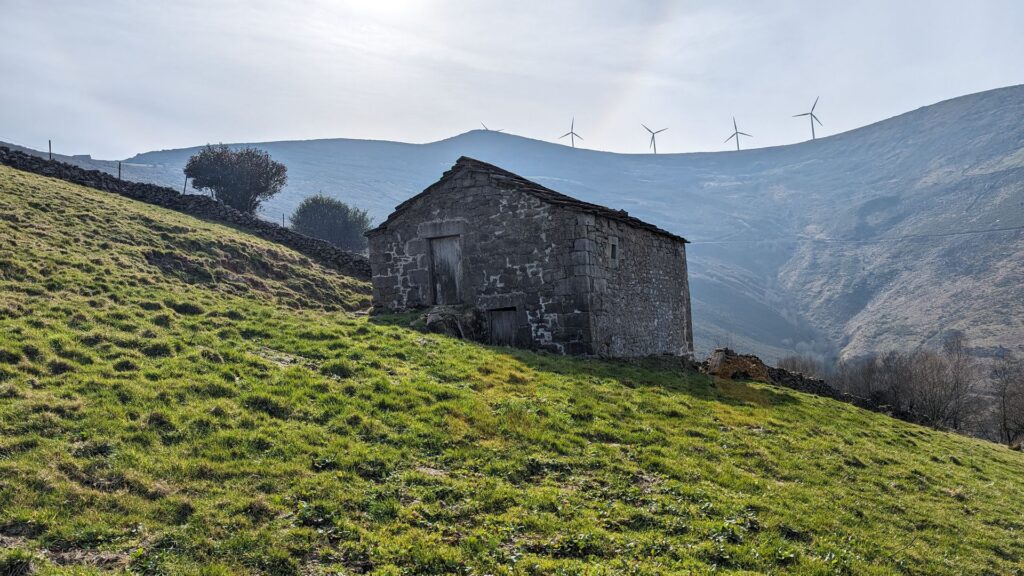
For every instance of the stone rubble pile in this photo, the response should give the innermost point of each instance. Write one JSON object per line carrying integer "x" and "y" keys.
{"x": 726, "y": 363}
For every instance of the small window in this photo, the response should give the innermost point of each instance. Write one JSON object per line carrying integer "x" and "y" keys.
{"x": 613, "y": 251}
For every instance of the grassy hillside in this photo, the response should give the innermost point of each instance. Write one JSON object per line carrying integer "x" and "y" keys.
{"x": 177, "y": 397}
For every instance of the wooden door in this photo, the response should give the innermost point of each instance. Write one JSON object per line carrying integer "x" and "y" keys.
{"x": 502, "y": 324}
{"x": 446, "y": 269}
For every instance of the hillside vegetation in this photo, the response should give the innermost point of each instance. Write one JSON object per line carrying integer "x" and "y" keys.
{"x": 848, "y": 244}
{"x": 179, "y": 398}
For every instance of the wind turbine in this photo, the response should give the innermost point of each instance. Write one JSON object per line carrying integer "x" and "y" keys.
{"x": 736, "y": 134}
{"x": 486, "y": 129}
{"x": 813, "y": 117}
{"x": 654, "y": 142}
{"x": 572, "y": 133}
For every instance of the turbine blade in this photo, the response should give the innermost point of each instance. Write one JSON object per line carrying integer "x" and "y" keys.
{"x": 731, "y": 137}
{"x": 816, "y": 120}
{"x": 745, "y": 134}
{"x": 484, "y": 125}
{"x": 815, "y": 103}
{"x": 645, "y": 126}
{"x": 578, "y": 136}
{"x": 734, "y": 127}
{"x": 660, "y": 131}
{"x": 799, "y": 115}
{"x": 564, "y": 135}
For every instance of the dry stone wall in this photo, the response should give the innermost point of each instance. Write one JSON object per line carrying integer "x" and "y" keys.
{"x": 203, "y": 207}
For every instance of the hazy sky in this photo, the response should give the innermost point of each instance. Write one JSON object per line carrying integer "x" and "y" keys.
{"x": 118, "y": 77}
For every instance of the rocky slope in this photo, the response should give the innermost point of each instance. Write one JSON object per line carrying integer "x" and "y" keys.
{"x": 884, "y": 236}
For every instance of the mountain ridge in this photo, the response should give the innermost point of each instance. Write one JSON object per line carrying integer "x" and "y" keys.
{"x": 808, "y": 247}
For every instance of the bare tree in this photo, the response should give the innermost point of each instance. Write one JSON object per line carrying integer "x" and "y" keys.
{"x": 1008, "y": 388}
{"x": 963, "y": 377}
{"x": 895, "y": 376}
{"x": 929, "y": 395}
{"x": 936, "y": 388}
{"x": 858, "y": 376}
{"x": 805, "y": 365}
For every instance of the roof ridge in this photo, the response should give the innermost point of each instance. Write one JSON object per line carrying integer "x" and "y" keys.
{"x": 538, "y": 191}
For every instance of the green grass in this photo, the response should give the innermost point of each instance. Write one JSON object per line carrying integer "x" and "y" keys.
{"x": 179, "y": 398}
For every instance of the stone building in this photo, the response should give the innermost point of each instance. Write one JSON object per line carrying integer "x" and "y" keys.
{"x": 538, "y": 269}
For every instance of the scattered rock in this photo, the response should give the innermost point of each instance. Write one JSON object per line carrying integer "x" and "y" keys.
{"x": 729, "y": 365}
{"x": 459, "y": 322}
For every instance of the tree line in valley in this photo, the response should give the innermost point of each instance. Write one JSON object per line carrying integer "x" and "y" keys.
{"x": 946, "y": 388}
{"x": 245, "y": 178}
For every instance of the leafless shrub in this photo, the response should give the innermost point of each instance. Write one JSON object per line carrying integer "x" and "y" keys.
{"x": 935, "y": 387}
{"x": 806, "y": 365}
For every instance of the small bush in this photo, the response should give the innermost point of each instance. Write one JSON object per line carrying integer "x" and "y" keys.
{"x": 332, "y": 220}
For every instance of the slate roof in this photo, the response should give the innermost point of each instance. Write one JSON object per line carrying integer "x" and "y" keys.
{"x": 532, "y": 188}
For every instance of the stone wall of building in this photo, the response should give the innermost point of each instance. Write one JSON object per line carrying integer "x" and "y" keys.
{"x": 550, "y": 261}
{"x": 203, "y": 207}
{"x": 517, "y": 252}
{"x": 640, "y": 303}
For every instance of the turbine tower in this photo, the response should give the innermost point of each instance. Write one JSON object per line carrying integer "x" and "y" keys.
{"x": 654, "y": 142}
{"x": 572, "y": 133}
{"x": 736, "y": 134}
{"x": 486, "y": 129}
{"x": 812, "y": 116}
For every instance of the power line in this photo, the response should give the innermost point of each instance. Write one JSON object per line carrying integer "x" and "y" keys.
{"x": 868, "y": 241}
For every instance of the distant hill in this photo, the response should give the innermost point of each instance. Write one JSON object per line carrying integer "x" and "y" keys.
{"x": 850, "y": 244}
{"x": 178, "y": 397}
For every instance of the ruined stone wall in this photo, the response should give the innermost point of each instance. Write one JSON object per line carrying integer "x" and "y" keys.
{"x": 640, "y": 301}
{"x": 203, "y": 207}
{"x": 517, "y": 252}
